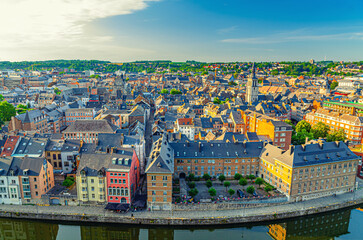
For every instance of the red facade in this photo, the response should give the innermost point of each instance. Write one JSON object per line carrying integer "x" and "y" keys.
{"x": 122, "y": 183}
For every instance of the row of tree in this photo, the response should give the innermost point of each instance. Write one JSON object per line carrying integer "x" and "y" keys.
{"x": 303, "y": 130}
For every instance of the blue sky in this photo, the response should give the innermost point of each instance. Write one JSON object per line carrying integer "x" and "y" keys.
{"x": 179, "y": 30}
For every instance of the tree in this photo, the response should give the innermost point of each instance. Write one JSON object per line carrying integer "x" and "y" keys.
{"x": 221, "y": 178}
{"x": 250, "y": 189}
{"x": 191, "y": 184}
{"x": 231, "y": 191}
{"x": 333, "y": 85}
{"x": 209, "y": 183}
{"x": 212, "y": 192}
{"x": 237, "y": 176}
{"x": 320, "y": 130}
{"x": 57, "y": 91}
{"x": 7, "y": 111}
{"x": 227, "y": 184}
{"x": 206, "y": 176}
{"x": 300, "y": 126}
{"x": 216, "y": 100}
{"x": 164, "y": 91}
{"x": 336, "y": 136}
{"x": 259, "y": 181}
{"x": 174, "y": 91}
{"x": 193, "y": 192}
{"x": 242, "y": 182}
{"x": 1, "y": 123}
{"x": 1, "y": 98}
{"x": 251, "y": 177}
{"x": 300, "y": 137}
{"x": 268, "y": 188}
{"x": 191, "y": 177}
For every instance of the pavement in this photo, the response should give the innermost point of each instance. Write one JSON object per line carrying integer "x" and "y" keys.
{"x": 243, "y": 212}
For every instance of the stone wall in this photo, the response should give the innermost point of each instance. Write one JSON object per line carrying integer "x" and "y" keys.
{"x": 176, "y": 221}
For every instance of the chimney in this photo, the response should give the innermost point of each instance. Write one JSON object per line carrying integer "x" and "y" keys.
{"x": 303, "y": 147}
{"x": 96, "y": 142}
{"x": 337, "y": 143}
{"x": 199, "y": 146}
{"x": 346, "y": 142}
{"x": 291, "y": 149}
{"x": 321, "y": 144}
{"x": 122, "y": 139}
{"x": 187, "y": 143}
{"x": 306, "y": 140}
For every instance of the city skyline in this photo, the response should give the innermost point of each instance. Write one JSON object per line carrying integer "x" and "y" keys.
{"x": 130, "y": 30}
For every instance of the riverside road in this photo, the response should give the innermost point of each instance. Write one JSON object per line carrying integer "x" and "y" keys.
{"x": 99, "y": 211}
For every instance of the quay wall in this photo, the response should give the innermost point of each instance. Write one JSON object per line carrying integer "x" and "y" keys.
{"x": 123, "y": 219}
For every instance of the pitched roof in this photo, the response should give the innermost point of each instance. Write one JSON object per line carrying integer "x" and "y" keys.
{"x": 101, "y": 126}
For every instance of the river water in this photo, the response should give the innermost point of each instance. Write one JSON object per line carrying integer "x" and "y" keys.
{"x": 343, "y": 224}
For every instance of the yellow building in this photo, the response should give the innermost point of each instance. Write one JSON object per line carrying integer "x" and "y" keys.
{"x": 310, "y": 171}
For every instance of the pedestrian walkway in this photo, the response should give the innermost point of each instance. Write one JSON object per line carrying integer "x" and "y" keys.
{"x": 243, "y": 212}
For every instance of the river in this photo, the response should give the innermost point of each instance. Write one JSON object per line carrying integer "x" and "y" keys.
{"x": 343, "y": 224}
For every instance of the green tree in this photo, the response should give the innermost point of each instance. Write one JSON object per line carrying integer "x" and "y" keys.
{"x": 191, "y": 184}
{"x": 206, "y": 176}
{"x": 164, "y": 91}
{"x": 227, "y": 184}
{"x": 259, "y": 181}
{"x": 1, "y": 98}
{"x": 320, "y": 130}
{"x": 7, "y": 111}
{"x": 300, "y": 126}
{"x": 57, "y": 91}
{"x": 231, "y": 191}
{"x": 268, "y": 188}
{"x": 336, "y": 136}
{"x": 300, "y": 137}
{"x": 242, "y": 182}
{"x": 216, "y": 100}
{"x": 212, "y": 192}
{"x": 251, "y": 177}
{"x": 209, "y": 183}
{"x": 1, "y": 123}
{"x": 237, "y": 176}
{"x": 193, "y": 192}
{"x": 250, "y": 189}
{"x": 221, "y": 178}
{"x": 174, "y": 91}
{"x": 191, "y": 177}
{"x": 333, "y": 85}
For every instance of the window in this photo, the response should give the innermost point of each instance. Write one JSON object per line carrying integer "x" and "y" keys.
{"x": 165, "y": 184}
{"x": 153, "y": 178}
{"x": 92, "y": 181}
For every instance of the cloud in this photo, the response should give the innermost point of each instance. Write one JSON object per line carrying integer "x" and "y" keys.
{"x": 227, "y": 30}
{"x": 295, "y": 36}
{"x": 32, "y": 25}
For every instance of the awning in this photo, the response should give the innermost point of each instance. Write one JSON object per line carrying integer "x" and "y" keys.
{"x": 117, "y": 206}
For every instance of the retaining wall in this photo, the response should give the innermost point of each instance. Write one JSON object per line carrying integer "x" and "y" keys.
{"x": 177, "y": 221}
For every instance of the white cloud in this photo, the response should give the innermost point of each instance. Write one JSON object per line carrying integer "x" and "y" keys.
{"x": 32, "y": 27}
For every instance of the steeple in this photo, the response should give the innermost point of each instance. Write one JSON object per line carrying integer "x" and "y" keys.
{"x": 253, "y": 74}
{"x": 252, "y": 87}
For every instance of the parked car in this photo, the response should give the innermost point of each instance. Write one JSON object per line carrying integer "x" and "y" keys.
{"x": 240, "y": 193}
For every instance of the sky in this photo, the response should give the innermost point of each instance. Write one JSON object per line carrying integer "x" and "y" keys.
{"x": 180, "y": 30}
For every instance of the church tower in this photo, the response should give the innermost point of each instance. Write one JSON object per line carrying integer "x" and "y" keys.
{"x": 252, "y": 87}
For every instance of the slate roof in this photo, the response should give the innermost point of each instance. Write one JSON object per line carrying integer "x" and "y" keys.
{"x": 31, "y": 146}
{"x": 101, "y": 126}
{"x": 33, "y": 164}
{"x": 95, "y": 162}
{"x": 217, "y": 149}
{"x": 310, "y": 154}
{"x": 161, "y": 159}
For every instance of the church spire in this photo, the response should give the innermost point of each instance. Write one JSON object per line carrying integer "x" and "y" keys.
{"x": 253, "y": 70}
